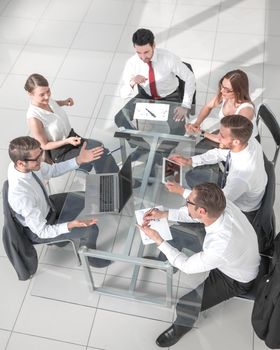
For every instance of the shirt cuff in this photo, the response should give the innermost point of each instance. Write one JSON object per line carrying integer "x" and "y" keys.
{"x": 63, "y": 228}
{"x": 173, "y": 214}
{"x": 164, "y": 247}
{"x": 186, "y": 193}
{"x": 186, "y": 104}
{"x": 196, "y": 161}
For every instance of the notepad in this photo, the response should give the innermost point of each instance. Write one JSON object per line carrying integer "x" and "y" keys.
{"x": 161, "y": 226}
{"x": 151, "y": 111}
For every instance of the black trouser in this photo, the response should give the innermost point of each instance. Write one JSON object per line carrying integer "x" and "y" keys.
{"x": 124, "y": 117}
{"x": 250, "y": 215}
{"x": 85, "y": 235}
{"x": 105, "y": 164}
{"x": 216, "y": 288}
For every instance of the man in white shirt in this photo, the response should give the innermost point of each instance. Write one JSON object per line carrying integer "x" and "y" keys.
{"x": 161, "y": 84}
{"x": 34, "y": 209}
{"x": 246, "y": 178}
{"x": 229, "y": 252}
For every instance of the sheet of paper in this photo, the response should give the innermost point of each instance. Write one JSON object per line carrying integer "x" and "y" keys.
{"x": 151, "y": 111}
{"x": 159, "y": 225}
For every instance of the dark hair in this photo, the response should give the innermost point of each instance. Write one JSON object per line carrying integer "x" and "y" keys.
{"x": 143, "y": 37}
{"x": 210, "y": 197}
{"x": 240, "y": 85}
{"x": 35, "y": 80}
{"x": 241, "y": 128}
{"x": 20, "y": 147}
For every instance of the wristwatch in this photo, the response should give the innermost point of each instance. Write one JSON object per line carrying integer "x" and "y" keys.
{"x": 202, "y": 132}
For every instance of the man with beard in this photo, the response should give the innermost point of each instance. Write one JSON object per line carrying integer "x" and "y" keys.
{"x": 244, "y": 178}
{"x": 152, "y": 73}
{"x": 229, "y": 252}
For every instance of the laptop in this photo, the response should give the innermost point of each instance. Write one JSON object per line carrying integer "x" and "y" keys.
{"x": 171, "y": 171}
{"x": 108, "y": 193}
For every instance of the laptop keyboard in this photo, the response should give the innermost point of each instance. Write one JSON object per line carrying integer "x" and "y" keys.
{"x": 106, "y": 193}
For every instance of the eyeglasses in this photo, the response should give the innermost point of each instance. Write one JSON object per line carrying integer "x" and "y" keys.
{"x": 34, "y": 159}
{"x": 188, "y": 202}
{"x": 226, "y": 90}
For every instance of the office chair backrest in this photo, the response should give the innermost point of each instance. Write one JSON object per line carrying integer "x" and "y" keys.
{"x": 17, "y": 245}
{"x": 268, "y": 118}
{"x": 181, "y": 89}
{"x": 266, "y": 311}
{"x": 264, "y": 221}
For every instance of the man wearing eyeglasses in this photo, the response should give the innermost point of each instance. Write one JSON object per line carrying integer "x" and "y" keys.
{"x": 244, "y": 179}
{"x": 229, "y": 253}
{"x": 34, "y": 209}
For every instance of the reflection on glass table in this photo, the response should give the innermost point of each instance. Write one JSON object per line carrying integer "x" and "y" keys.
{"x": 123, "y": 245}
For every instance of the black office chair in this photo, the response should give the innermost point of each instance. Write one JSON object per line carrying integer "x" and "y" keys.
{"x": 18, "y": 247}
{"x": 181, "y": 89}
{"x": 264, "y": 221}
{"x": 266, "y": 116}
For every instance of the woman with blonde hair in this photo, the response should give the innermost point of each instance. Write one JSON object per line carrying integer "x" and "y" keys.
{"x": 49, "y": 124}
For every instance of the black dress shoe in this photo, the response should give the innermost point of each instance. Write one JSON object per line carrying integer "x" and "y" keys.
{"x": 171, "y": 335}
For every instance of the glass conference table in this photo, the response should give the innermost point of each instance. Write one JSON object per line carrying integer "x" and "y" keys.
{"x": 148, "y": 192}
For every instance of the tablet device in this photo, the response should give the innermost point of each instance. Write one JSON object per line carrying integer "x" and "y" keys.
{"x": 171, "y": 171}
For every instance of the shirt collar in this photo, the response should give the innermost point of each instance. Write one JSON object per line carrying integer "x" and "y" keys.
{"x": 216, "y": 224}
{"x": 155, "y": 55}
{"x": 19, "y": 174}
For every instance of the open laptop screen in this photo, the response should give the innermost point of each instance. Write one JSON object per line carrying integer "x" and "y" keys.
{"x": 125, "y": 183}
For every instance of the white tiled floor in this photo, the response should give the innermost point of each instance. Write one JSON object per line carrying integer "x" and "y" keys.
{"x": 81, "y": 46}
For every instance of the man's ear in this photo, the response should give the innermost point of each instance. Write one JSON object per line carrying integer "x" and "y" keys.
{"x": 202, "y": 211}
{"x": 20, "y": 164}
{"x": 236, "y": 142}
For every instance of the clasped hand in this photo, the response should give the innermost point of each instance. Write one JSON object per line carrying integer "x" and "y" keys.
{"x": 192, "y": 128}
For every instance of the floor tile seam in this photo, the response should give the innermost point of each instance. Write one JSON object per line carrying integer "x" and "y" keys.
{"x": 134, "y": 315}
{"x": 208, "y": 90}
{"x": 41, "y": 19}
{"x": 58, "y": 300}
{"x": 175, "y": 283}
{"x": 46, "y": 338}
{"x": 91, "y": 127}
{"x": 70, "y": 44}
{"x": 24, "y": 45}
{"x": 5, "y": 6}
{"x": 12, "y": 109}
{"x": 19, "y": 310}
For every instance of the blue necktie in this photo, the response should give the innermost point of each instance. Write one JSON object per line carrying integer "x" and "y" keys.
{"x": 226, "y": 170}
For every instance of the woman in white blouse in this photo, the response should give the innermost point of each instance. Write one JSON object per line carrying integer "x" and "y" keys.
{"x": 49, "y": 124}
{"x": 233, "y": 98}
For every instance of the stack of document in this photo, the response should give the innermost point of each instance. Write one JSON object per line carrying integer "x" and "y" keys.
{"x": 161, "y": 226}
{"x": 151, "y": 111}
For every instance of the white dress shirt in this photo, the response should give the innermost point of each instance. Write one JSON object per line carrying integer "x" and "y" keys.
{"x": 246, "y": 180}
{"x": 166, "y": 66}
{"x": 230, "y": 245}
{"x": 27, "y": 199}
{"x": 56, "y": 123}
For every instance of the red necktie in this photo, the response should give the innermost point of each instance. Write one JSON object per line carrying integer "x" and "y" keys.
{"x": 152, "y": 82}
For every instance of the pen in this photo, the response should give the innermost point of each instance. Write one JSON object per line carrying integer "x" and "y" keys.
{"x": 152, "y": 114}
{"x": 114, "y": 150}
